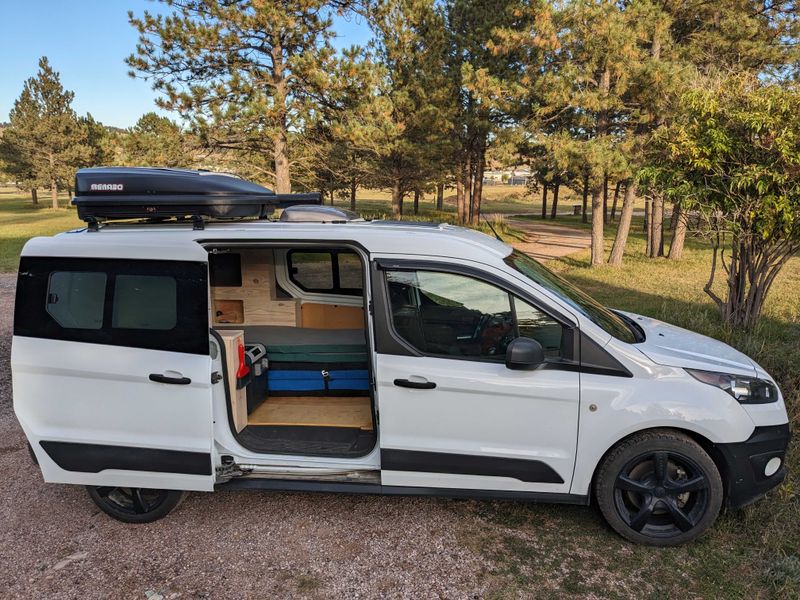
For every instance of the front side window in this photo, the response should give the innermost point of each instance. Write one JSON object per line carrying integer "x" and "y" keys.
{"x": 454, "y": 315}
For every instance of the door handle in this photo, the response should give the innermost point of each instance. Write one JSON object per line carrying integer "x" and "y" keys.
{"x": 159, "y": 378}
{"x": 415, "y": 385}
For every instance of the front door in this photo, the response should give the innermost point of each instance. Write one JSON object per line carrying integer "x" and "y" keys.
{"x": 111, "y": 369}
{"x": 452, "y": 415}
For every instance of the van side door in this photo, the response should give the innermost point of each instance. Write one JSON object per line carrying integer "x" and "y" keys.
{"x": 111, "y": 368}
{"x": 452, "y": 415}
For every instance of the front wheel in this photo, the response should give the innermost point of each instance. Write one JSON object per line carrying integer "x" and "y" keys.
{"x": 659, "y": 488}
{"x": 135, "y": 505}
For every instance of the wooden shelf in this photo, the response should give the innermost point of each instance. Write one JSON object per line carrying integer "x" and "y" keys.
{"x": 319, "y": 411}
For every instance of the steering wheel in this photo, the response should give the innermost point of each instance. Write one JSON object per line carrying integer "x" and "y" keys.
{"x": 495, "y": 332}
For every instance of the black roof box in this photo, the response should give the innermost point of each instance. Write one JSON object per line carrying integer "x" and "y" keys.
{"x": 105, "y": 193}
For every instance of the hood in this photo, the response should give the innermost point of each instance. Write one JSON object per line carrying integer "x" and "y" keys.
{"x": 673, "y": 346}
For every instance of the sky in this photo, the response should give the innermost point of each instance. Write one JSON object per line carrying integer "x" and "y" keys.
{"x": 87, "y": 42}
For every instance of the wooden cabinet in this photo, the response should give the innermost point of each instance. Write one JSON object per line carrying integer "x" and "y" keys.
{"x": 232, "y": 338}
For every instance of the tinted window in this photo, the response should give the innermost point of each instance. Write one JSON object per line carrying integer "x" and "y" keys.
{"x": 145, "y": 302}
{"x": 76, "y": 299}
{"x": 327, "y": 272}
{"x": 455, "y": 315}
{"x": 161, "y": 305}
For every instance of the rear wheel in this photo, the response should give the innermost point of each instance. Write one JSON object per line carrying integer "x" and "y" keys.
{"x": 134, "y": 505}
{"x": 659, "y": 488}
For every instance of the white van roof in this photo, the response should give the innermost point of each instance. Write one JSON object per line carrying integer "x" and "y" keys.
{"x": 179, "y": 241}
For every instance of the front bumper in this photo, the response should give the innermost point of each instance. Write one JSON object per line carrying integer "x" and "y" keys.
{"x": 744, "y": 463}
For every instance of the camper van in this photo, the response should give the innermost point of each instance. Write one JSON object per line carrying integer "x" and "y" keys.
{"x": 188, "y": 340}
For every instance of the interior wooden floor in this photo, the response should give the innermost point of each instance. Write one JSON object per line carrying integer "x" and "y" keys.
{"x": 321, "y": 411}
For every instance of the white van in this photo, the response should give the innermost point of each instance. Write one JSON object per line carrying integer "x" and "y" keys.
{"x": 325, "y": 353}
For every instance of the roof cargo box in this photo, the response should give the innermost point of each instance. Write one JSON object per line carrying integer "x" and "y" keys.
{"x": 106, "y": 193}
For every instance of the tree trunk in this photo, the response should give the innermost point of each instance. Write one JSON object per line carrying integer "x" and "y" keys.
{"x": 35, "y": 196}
{"x": 477, "y": 186}
{"x": 439, "y": 196}
{"x": 646, "y": 223}
{"x": 614, "y": 204}
{"x": 544, "y": 201}
{"x": 54, "y": 193}
{"x": 416, "y": 201}
{"x": 554, "y": 210}
{"x": 598, "y": 252}
{"x": 353, "y": 186}
{"x": 656, "y": 223}
{"x": 330, "y": 193}
{"x": 605, "y": 198}
{"x": 624, "y": 227}
{"x": 397, "y": 199}
{"x": 460, "y": 193}
{"x": 679, "y": 236}
{"x": 283, "y": 183}
{"x": 585, "y": 200}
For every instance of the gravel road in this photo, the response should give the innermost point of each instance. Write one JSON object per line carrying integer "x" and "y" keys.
{"x": 54, "y": 543}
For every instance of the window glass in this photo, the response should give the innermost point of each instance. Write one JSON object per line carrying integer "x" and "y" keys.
{"x": 443, "y": 313}
{"x": 76, "y": 300}
{"x": 328, "y": 271}
{"x": 312, "y": 271}
{"x": 455, "y": 315}
{"x": 533, "y": 323}
{"x": 145, "y": 302}
{"x": 350, "y": 275}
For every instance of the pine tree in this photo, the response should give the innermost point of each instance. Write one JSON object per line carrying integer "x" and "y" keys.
{"x": 156, "y": 141}
{"x": 44, "y": 142}
{"x": 247, "y": 73}
{"x": 415, "y": 96}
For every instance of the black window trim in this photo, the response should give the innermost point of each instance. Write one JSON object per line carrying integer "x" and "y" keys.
{"x": 336, "y": 289}
{"x": 31, "y": 318}
{"x": 398, "y": 345}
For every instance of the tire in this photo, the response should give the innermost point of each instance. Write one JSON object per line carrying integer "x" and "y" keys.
{"x": 659, "y": 488}
{"x": 135, "y": 505}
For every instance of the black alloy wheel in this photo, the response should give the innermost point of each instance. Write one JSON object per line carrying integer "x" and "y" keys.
{"x": 661, "y": 494}
{"x": 659, "y": 487}
{"x": 134, "y": 505}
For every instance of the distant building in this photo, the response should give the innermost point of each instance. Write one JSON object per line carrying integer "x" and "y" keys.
{"x": 509, "y": 176}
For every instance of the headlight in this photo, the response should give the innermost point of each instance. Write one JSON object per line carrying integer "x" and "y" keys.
{"x": 747, "y": 390}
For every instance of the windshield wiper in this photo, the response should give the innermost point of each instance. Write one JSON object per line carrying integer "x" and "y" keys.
{"x": 635, "y": 328}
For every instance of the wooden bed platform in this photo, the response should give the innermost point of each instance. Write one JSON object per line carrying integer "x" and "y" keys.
{"x": 330, "y": 411}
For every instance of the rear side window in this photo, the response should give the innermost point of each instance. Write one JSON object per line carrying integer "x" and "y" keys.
{"x": 145, "y": 302}
{"x": 326, "y": 272}
{"x": 75, "y": 300}
{"x": 159, "y": 305}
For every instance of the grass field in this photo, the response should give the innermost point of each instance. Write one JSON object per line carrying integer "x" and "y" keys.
{"x": 563, "y": 552}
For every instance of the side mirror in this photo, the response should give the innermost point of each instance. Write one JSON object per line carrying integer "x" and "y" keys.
{"x": 524, "y": 354}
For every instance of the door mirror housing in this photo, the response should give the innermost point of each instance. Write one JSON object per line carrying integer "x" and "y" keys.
{"x": 524, "y": 354}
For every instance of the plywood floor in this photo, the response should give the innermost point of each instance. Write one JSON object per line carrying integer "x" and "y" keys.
{"x": 332, "y": 411}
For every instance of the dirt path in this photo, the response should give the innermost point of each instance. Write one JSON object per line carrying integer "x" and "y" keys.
{"x": 545, "y": 241}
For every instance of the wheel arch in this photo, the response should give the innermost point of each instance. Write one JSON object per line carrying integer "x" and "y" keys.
{"x": 706, "y": 444}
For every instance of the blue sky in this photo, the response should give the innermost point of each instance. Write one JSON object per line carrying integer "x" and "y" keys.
{"x": 87, "y": 42}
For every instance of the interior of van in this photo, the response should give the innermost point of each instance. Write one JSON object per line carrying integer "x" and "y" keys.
{"x": 292, "y": 325}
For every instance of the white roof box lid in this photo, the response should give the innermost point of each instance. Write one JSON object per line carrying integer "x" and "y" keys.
{"x": 310, "y": 213}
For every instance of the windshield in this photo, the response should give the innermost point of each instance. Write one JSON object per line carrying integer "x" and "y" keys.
{"x": 583, "y": 303}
